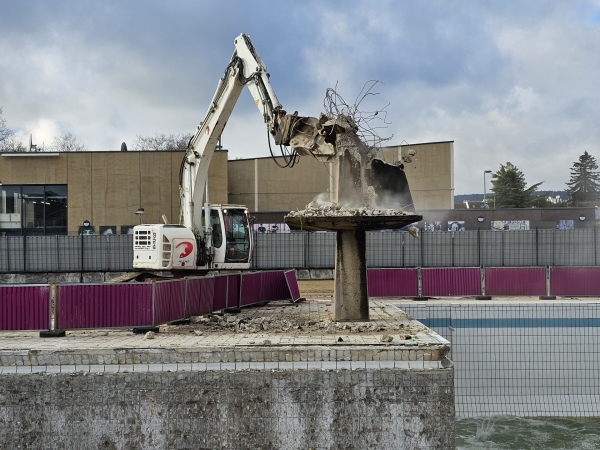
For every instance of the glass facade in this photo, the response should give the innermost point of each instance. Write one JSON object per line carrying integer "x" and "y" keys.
{"x": 33, "y": 210}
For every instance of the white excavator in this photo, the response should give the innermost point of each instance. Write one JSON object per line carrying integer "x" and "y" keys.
{"x": 219, "y": 237}
{"x": 213, "y": 236}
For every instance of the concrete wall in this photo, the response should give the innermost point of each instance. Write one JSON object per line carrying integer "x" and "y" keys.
{"x": 263, "y": 186}
{"x": 107, "y": 188}
{"x": 349, "y": 409}
{"x": 429, "y": 168}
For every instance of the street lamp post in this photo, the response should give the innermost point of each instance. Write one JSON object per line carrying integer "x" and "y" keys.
{"x": 484, "y": 189}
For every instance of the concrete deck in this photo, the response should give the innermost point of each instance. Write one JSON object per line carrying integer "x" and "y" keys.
{"x": 280, "y": 336}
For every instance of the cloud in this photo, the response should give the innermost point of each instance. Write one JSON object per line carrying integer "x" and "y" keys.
{"x": 505, "y": 81}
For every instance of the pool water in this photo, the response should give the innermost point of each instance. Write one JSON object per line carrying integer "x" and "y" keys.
{"x": 523, "y": 433}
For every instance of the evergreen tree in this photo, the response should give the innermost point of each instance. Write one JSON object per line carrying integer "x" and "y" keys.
{"x": 510, "y": 188}
{"x": 585, "y": 179}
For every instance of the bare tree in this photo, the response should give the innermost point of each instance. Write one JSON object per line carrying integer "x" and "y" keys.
{"x": 5, "y": 132}
{"x": 12, "y": 145}
{"x": 67, "y": 143}
{"x": 162, "y": 142}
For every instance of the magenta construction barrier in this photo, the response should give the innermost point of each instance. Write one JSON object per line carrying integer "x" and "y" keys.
{"x": 24, "y": 308}
{"x": 103, "y": 305}
{"x": 199, "y": 295}
{"x": 226, "y": 291}
{"x": 292, "y": 283}
{"x": 275, "y": 286}
{"x": 515, "y": 281}
{"x": 451, "y": 281}
{"x": 575, "y": 281}
{"x": 392, "y": 282}
{"x": 250, "y": 288}
{"x": 169, "y": 301}
{"x": 220, "y": 293}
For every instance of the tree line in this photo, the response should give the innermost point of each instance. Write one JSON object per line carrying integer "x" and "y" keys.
{"x": 69, "y": 143}
{"x": 63, "y": 143}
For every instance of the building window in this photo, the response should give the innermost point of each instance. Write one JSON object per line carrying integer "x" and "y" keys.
{"x": 33, "y": 210}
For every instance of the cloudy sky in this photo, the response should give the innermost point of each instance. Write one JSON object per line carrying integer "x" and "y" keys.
{"x": 507, "y": 81}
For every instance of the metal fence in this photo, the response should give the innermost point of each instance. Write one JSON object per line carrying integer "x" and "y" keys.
{"x": 66, "y": 253}
{"x": 317, "y": 250}
{"x": 520, "y": 359}
{"x": 437, "y": 249}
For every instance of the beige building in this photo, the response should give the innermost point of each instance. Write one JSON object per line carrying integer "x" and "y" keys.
{"x": 57, "y": 193}
{"x": 263, "y": 186}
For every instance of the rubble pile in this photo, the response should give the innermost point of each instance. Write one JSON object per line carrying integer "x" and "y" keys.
{"x": 329, "y": 209}
{"x": 212, "y": 323}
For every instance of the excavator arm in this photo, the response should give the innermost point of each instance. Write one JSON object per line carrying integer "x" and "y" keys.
{"x": 327, "y": 139}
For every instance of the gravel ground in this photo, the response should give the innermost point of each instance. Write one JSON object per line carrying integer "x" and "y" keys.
{"x": 316, "y": 288}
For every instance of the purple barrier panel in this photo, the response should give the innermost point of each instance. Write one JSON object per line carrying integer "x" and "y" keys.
{"x": 448, "y": 282}
{"x": 515, "y": 281}
{"x": 274, "y": 286}
{"x": 208, "y": 293}
{"x": 436, "y": 282}
{"x": 392, "y": 282}
{"x": 250, "y": 288}
{"x": 24, "y": 308}
{"x": 233, "y": 290}
{"x": 575, "y": 281}
{"x": 199, "y": 295}
{"x": 103, "y": 305}
{"x": 466, "y": 281}
{"x": 169, "y": 301}
{"x": 220, "y": 293}
{"x": 292, "y": 283}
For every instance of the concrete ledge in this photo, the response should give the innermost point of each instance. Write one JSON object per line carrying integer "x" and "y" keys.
{"x": 417, "y": 353}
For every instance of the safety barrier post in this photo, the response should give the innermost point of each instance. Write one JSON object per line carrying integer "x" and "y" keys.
{"x": 483, "y": 295}
{"x": 54, "y": 330}
{"x": 548, "y": 295}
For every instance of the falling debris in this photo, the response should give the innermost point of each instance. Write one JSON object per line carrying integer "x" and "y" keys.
{"x": 414, "y": 232}
{"x": 348, "y": 137}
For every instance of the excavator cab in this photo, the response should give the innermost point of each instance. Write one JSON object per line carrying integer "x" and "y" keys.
{"x": 231, "y": 237}
{"x": 237, "y": 235}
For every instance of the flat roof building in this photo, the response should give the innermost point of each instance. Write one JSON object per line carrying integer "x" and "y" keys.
{"x": 44, "y": 193}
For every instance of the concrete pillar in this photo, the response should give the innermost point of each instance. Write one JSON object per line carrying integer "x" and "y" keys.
{"x": 350, "y": 290}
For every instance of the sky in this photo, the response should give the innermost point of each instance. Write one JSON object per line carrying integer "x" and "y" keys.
{"x": 506, "y": 81}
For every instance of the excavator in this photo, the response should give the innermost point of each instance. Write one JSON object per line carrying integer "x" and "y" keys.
{"x": 219, "y": 237}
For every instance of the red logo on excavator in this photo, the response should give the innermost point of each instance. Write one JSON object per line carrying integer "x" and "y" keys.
{"x": 188, "y": 247}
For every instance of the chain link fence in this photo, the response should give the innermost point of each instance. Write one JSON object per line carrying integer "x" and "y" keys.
{"x": 317, "y": 250}
{"x": 520, "y": 359}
